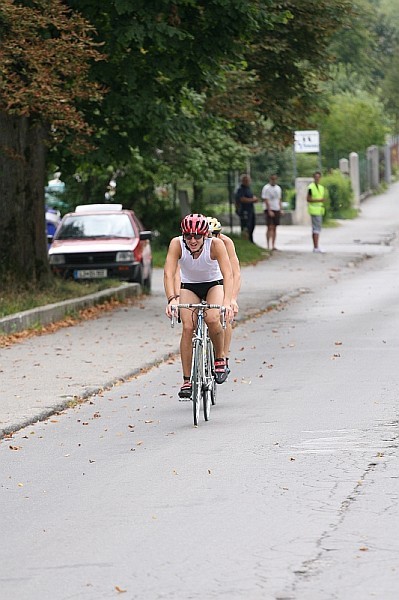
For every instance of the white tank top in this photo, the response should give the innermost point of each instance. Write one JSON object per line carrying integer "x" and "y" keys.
{"x": 201, "y": 269}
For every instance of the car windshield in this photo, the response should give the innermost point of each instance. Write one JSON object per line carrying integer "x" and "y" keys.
{"x": 95, "y": 226}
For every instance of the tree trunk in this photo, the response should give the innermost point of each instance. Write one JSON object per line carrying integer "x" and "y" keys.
{"x": 23, "y": 245}
{"x": 198, "y": 197}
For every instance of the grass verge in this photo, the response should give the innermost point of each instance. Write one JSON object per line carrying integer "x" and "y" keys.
{"x": 15, "y": 299}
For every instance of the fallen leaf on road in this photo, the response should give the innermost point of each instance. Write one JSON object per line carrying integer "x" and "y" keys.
{"x": 139, "y": 443}
{"x": 15, "y": 447}
{"x": 120, "y": 590}
{"x": 149, "y": 421}
{"x": 363, "y": 549}
{"x": 338, "y": 343}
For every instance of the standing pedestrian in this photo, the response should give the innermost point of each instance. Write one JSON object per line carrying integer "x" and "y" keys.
{"x": 272, "y": 196}
{"x": 316, "y": 207}
{"x": 245, "y": 201}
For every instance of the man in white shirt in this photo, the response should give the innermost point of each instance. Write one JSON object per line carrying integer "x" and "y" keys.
{"x": 272, "y": 198}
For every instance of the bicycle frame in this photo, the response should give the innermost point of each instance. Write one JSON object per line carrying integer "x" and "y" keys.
{"x": 202, "y": 363}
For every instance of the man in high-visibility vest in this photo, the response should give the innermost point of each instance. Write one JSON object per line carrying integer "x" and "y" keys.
{"x": 316, "y": 198}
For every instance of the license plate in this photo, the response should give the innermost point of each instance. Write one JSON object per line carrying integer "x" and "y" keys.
{"x": 90, "y": 273}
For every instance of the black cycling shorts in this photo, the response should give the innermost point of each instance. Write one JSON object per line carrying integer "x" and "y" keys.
{"x": 201, "y": 289}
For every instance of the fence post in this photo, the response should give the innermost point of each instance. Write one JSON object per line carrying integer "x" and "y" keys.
{"x": 344, "y": 166}
{"x": 354, "y": 174}
{"x": 300, "y": 214}
{"x": 372, "y": 155}
{"x": 387, "y": 159}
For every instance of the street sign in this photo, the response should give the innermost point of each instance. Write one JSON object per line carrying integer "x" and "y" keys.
{"x": 307, "y": 141}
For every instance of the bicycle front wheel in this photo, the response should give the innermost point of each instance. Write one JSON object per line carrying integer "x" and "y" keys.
{"x": 197, "y": 381}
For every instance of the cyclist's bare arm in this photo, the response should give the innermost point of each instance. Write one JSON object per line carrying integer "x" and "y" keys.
{"x": 235, "y": 266}
{"x": 219, "y": 253}
{"x": 169, "y": 273}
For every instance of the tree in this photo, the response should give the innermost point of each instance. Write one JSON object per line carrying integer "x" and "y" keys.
{"x": 354, "y": 122}
{"x": 45, "y": 54}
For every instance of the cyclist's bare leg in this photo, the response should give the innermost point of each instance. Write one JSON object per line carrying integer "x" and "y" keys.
{"x": 227, "y": 339}
{"x": 188, "y": 320}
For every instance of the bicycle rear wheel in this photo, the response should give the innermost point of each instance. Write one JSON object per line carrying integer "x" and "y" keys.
{"x": 197, "y": 381}
{"x": 211, "y": 366}
{"x": 207, "y": 397}
{"x": 207, "y": 400}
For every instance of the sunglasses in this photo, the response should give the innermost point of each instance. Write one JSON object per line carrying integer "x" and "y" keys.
{"x": 190, "y": 236}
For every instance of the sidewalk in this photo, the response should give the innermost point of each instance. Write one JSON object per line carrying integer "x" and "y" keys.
{"x": 45, "y": 374}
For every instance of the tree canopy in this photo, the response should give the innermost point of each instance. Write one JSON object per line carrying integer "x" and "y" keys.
{"x": 164, "y": 89}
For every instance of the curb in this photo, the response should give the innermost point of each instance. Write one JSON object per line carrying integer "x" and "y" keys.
{"x": 44, "y": 315}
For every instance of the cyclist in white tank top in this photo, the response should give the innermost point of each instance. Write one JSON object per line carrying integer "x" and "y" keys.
{"x": 201, "y": 269}
{"x": 206, "y": 274}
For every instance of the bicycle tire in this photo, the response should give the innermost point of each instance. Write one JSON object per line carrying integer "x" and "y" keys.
{"x": 197, "y": 381}
{"x": 207, "y": 391}
{"x": 211, "y": 363}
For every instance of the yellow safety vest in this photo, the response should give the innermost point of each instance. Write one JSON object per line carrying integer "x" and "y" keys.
{"x": 316, "y": 208}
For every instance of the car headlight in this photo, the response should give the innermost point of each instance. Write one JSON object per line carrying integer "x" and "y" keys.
{"x": 124, "y": 256}
{"x": 57, "y": 259}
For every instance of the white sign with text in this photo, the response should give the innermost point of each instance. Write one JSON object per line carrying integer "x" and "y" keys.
{"x": 307, "y": 141}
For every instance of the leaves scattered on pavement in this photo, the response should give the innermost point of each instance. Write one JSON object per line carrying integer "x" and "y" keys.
{"x": 86, "y": 314}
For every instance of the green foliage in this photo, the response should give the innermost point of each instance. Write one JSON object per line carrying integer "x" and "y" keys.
{"x": 162, "y": 218}
{"x": 354, "y": 122}
{"x": 340, "y": 195}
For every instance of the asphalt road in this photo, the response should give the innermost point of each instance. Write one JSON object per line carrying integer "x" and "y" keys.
{"x": 48, "y": 373}
{"x": 289, "y": 492}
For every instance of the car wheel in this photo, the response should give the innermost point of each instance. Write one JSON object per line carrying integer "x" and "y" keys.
{"x": 148, "y": 280}
{"x": 138, "y": 275}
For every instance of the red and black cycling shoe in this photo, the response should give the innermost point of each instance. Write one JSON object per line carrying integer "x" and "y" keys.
{"x": 186, "y": 390}
{"x": 221, "y": 370}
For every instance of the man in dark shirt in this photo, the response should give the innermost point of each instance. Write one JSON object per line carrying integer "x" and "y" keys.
{"x": 245, "y": 201}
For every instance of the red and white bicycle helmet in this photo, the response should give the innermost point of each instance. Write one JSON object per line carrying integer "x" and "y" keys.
{"x": 195, "y": 223}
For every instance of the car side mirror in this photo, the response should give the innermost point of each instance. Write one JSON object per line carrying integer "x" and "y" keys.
{"x": 145, "y": 235}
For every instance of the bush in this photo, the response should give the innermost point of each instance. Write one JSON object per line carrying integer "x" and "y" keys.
{"x": 340, "y": 195}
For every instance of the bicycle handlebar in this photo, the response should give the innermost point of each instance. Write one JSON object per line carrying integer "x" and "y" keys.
{"x": 203, "y": 305}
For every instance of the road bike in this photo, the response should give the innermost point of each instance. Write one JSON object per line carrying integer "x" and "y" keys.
{"x": 202, "y": 377}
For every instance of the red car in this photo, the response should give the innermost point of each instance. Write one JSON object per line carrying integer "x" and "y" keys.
{"x": 102, "y": 241}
